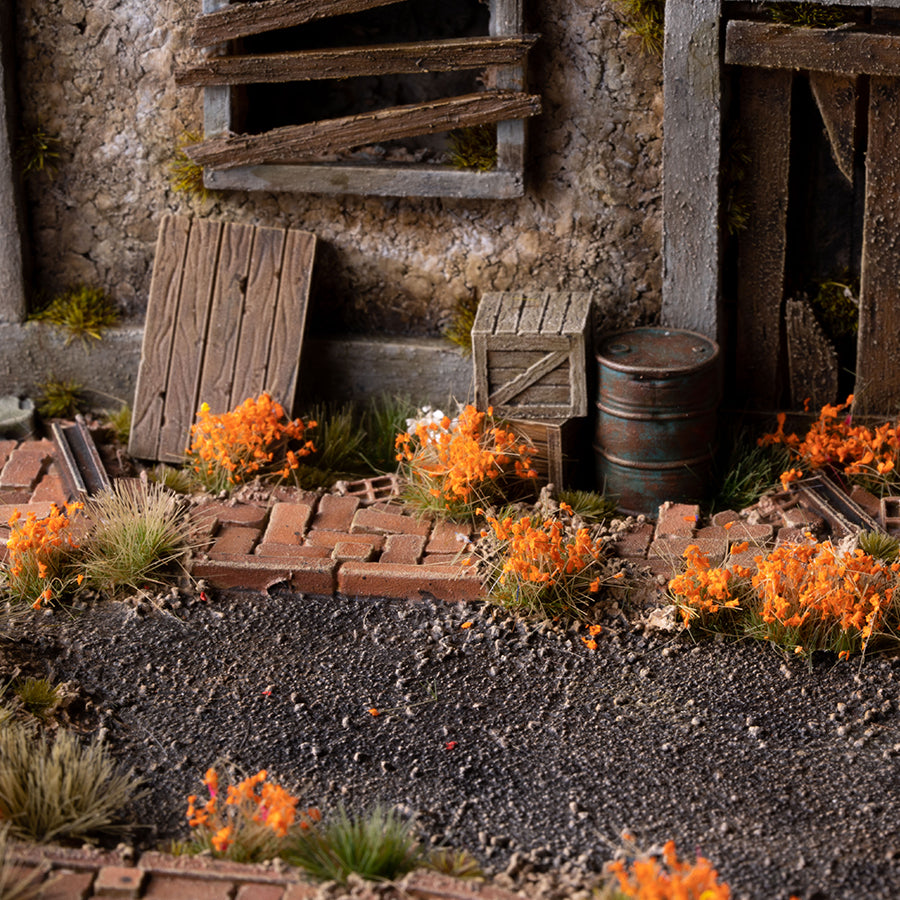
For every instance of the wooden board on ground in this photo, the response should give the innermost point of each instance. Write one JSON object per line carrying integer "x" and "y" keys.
{"x": 225, "y": 321}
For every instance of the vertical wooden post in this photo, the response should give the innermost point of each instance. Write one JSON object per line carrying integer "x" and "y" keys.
{"x": 12, "y": 276}
{"x": 765, "y": 111}
{"x": 878, "y": 347}
{"x": 506, "y": 19}
{"x": 692, "y": 100}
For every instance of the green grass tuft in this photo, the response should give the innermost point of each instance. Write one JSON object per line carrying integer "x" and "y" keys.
{"x": 459, "y": 331}
{"x": 186, "y": 176}
{"x": 456, "y": 863}
{"x": 140, "y": 534}
{"x": 805, "y": 15}
{"x": 119, "y": 422}
{"x": 646, "y": 20}
{"x": 60, "y": 399}
{"x": 749, "y": 471}
{"x": 591, "y": 506}
{"x": 58, "y": 789}
{"x": 38, "y": 152}
{"x": 82, "y": 312}
{"x": 879, "y": 546}
{"x": 39, "y": 697}
{"x": 377, "y": 846}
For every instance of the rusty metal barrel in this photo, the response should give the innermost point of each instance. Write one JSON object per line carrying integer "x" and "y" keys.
{"x": 658, "y": 397}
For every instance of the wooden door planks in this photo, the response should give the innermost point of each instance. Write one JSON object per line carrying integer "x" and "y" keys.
{"x": 225, "y": 322}
{"x": 765, "y": 102}
{"x": 878, "y": 347}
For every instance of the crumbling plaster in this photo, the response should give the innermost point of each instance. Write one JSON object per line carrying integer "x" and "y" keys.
{"x": 99, "y": 74}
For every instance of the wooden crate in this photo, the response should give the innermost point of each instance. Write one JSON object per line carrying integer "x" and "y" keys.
{"x": 562, "y": 450}
{"x": 529, "y": 354}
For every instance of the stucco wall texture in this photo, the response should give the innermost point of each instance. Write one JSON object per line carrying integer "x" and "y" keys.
{"x": 99, "y": 74}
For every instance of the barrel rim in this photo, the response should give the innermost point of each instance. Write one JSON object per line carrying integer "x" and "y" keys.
{"x": 656, "y": 371}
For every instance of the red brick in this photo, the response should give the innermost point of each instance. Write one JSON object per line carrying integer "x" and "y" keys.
{"x": 866, "y": 500}
{"x": 291, "y": 551}
{"x": 50, "y": 487}
{"x": 244, "y": 573}
{"x": 380, "y": 521}
{"x": 403, "y": 548}
{"x": 723, "y": 517}
{"x": 672, "y": 549}
{"x": 205, "y": 867}
{"x": 335, "y": 513}
{"x": 260, "y": 892}
{"x": 82, "y": 858}
{"x": 24, "y": 468}
{"x": 445, "y": 538}
{"x": 247, "y": 514}
{"x": 41, "y": 510}
{"x": 301, "y": 892}
{"x": 314, "y": 577}
{"x": 287, "y": 523}
{"x": 257, "y": 891}
{"x": 425, "y": 885}
{"x": 407, "y": 582}
{"x": 119, "y": 882}
{"x": 758, "y": 533}
{"x": 788, "y": 535}
{"x": 445, "y": 559}
{"x": 180, "y": 887}
{"x": 330, "y": 539}
{"x": 677, "y": 519}
{"x": 31, "y": 876}
{"x": 63, "y": 885}
{"x": 798, "y": 517}
{"x": 352, "y": 550}
{"x": 14, "y": 496}
{"x": 634, "y": 544}
{"x": 234, "y": 540}
{"x": 6, "y": 448}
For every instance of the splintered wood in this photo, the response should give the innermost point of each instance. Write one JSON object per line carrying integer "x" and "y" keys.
{"x": 297, "y": 143}
{"x": 225, "y": 321}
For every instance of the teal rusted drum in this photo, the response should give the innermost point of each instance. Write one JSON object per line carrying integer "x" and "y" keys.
{"x": 658, "y": 396}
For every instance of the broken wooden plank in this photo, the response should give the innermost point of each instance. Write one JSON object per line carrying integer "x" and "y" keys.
{"x": 185, "y": 357}
{"x": 812, "y": 359}
{"x": 692, "y": 101}
{"x": 837, "y": 99}
{"x": 451, "y": 55}
{"x": 260, "y": 302}
{"x": 849, "y": 51}
{"x": 765, "y": 111}
{"x": 296, "y": 143}
{"x": 283, "y": 366}
{"x": 878, "y": 348}
{"x": 242, "y": 19}
{"x": 162, "y": 314}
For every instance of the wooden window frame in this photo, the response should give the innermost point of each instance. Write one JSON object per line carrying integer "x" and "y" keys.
{"x": 505, "y": 180}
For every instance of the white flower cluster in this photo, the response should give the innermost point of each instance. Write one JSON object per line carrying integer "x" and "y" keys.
{"x": 428, "y": 418}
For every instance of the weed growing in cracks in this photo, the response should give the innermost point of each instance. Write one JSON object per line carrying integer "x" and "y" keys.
{"x": 253, "y": 822}
{"x": 548, "y": 567}
{"x": 671, "y": 878}
{"x": 41, "y": 554}
{"x": 252, "y": 440}
{"x": 455, "y": 467}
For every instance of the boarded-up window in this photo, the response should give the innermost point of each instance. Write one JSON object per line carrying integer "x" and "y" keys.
{"x": 383, "y": 97}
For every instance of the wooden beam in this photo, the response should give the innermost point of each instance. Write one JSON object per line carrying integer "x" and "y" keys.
{"x": 848, "y": 51}
{"x": 297, "y": 143}
{"x": 878, "y": 347}
{"x": 765, "y": 111}
{"x": 241, "y": 19}
{"x": 454, "y": 54}
{"x": 692, "y": 246}
{"x": 837, "y": 98}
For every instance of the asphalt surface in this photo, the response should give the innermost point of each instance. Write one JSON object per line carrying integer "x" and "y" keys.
{"x": 516, "y": 742}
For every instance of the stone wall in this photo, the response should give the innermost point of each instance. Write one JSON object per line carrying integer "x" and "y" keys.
{"x": 99, "y": 74}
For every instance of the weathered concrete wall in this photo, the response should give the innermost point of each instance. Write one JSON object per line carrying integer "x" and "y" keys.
{"x": 99, "y": 73}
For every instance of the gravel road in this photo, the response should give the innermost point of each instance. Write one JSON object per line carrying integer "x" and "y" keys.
{"x": 513, "y": 741}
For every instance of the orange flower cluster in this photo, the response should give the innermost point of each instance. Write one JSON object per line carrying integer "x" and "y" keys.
{"x": 702, "y": 588}
{"x": 253, "y": 801}
{"x": 833, "y": 440}
{"x": 251, "y": 440}
{"x": 809, "y": 587}
{"x": 460, "y": 464}
{"x": 541, "y": 553}
{"x": 804, "y": 596}
{"x": 37, "y": 549}
{"x": 675, "y": 879}
{"x": 549, "y": 568}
